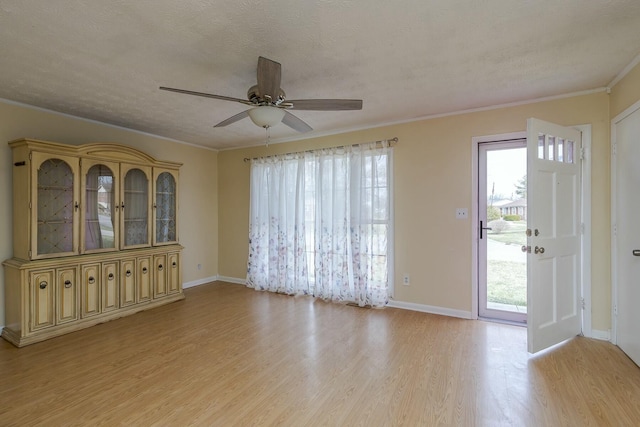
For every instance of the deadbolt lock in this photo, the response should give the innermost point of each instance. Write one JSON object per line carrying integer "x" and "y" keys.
{"x": 539, "y": 250}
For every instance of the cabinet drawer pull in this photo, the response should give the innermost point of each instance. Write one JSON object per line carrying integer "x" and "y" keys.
{"x": 67, "y": 284}
{"x": 43, "y": 284}
{"x": 92, "y": 280}
{"x": 77, "y": 206}
{"x": 128, "y": 273}
{"x": 110, "y": 276}
{"x": 160, "y": 267}
{"x": 144, "y": 270}
{"x": 174, "y": 264}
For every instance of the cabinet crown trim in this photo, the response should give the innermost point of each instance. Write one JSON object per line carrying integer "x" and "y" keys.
{"x": 96, "y": 150}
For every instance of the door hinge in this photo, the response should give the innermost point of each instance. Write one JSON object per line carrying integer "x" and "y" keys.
{"x": 29, "y": 205}
{"x": 583, "y": 303}
{"x": 614, "y": 149}
{"x": 581, "y": 153}
{"x": 30, "y": 155}
{"x": 615, "y": 229}
{"x": 29, "y": 253}
{"x": 582, "y": 227}
{"x": 615, "y": 309}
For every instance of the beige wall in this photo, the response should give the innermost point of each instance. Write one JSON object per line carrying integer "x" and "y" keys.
{"x": 626, "y": 92}
{"x": 432, "y": 178}
{"x": 198, "y": 202}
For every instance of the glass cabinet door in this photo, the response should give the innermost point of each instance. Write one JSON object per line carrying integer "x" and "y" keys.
{"x": 99, "y": 214}
{"x": 135, "y": 207}
{"x": 165, "y": 205}
{"x": 56, "y": 206}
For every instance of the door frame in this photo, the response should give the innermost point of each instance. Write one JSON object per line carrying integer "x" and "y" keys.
{"x": 493, "y": 314}
{"x": 614, "y": 212}
{"x": 585, "y": 208}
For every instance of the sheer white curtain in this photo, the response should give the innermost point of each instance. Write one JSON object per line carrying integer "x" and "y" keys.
{"x": 320, "y": 224}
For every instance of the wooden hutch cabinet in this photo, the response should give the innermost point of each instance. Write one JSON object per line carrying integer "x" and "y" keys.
{"x": 95, "y": 237}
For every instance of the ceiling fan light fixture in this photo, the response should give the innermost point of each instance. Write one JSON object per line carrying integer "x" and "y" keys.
{"x": 266, "y": 116}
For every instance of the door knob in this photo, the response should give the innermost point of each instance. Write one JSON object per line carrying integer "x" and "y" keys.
{"x": 539, "y": 250}
{"x": 526, "y": 249}
{"x": 636, "y": 252}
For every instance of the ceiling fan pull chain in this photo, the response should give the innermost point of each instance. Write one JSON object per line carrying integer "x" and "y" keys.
{"x": 268, "y": 130}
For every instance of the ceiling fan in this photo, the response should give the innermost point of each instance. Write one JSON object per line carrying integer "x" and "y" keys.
{"x": 269, "y": 101}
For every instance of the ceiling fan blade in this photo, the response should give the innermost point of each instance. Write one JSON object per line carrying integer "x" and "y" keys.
{"x": 269, "y": 74}
{"x": 295, "y": 123}
{"x": 206, "y": 95}
{"x": 326, "y": 104}
{"x": 233, "y": 119}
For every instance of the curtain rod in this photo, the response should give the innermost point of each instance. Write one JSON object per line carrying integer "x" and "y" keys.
{"x": 393, "y": 141}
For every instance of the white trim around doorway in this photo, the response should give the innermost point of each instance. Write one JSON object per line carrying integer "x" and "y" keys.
{"x": 613, "y": 336}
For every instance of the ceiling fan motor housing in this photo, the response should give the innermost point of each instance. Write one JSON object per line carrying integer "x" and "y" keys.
{"x": 253, "y": 95}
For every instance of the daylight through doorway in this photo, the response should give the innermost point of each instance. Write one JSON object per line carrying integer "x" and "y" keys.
{"x": 502, "y": 281}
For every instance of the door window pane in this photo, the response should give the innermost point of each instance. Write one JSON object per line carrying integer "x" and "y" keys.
{"x": 570, "y": 154}
{"x": 561, "y": 150}
{"x": 541, "y": 150}
{"x": 551, "y": 147}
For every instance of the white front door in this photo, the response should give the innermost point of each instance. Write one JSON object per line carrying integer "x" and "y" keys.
{"x": 553, "y": 220}
{"x": 626, "y": 220}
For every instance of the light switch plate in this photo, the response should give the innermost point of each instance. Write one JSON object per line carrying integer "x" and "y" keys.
{"x": 462, "y": 213}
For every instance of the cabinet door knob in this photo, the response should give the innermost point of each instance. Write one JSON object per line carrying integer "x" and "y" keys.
{"x": 128, "y": 273}
{"x": 43, "y": 284}
{"x": 160, "y": 267}
{"x": 110, "y": 276}
{"x": 67, "y": 284}
{"x": 144, "y": 270}
{"x": 77, "y": 206}
{"x": 174, "y": 264}
{"x": 92, "y": 280}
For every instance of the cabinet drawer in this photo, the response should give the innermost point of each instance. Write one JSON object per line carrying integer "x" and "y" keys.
{"x": 173, "y": 275}
{"x": 110, "y": 286}
{"x": 90, "y": 295}
{"x": 127, "y": 282}
{"x": 42, "y": 303}
{"x": 144, "y": 279}
{"x": 67, "y": 299}
{"x": 159, "y": 276}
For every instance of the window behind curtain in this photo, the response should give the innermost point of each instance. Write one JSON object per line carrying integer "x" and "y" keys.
{"x": 331, "y": 210}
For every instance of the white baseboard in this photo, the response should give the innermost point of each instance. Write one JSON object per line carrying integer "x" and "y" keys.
{"x": 395, "y": 304}
{"x": 601, "y": 335}
{"x": 199, "y": 282}
{"x": 431, "y": 309}
{"x": 232, "y": 280}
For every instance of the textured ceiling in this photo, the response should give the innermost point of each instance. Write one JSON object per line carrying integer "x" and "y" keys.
{"x": 104, "y": 60}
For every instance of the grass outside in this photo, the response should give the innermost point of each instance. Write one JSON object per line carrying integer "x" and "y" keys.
{"x": 507, "y": 280}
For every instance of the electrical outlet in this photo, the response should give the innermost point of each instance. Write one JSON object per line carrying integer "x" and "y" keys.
{"x": 405, "y": 279}
{"x": 462, "y": 213}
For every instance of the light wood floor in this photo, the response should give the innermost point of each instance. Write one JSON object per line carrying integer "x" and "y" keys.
{"x": 229, "y": 356}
